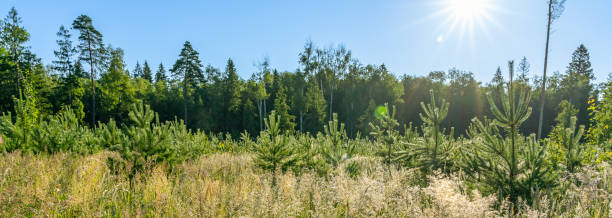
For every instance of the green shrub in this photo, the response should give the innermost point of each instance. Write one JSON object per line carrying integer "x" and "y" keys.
{"x": 273, "y": 151}
{"x": 501, "y": 159}
{"x": 384, "y": 130}
{"x": 335, "y": 148}
{"x": 568, "y": 140}
{"x": 433, "y": 150}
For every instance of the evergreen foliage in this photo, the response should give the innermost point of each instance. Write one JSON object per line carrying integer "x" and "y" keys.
{"x": 499, "y": 157}
{"x": 92, "y": 51}
{"x": 273, "y": 151}
{"x": 146, "y": 72}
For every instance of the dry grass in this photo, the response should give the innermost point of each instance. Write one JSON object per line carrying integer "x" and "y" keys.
{"x": 225, "y": 185}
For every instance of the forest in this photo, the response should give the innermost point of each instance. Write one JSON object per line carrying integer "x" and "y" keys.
{"x": 85, "y": 136}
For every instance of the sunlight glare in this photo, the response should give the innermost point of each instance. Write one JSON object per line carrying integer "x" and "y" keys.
{"x": 465, "y": 17}
{"x": 468, "y": 10}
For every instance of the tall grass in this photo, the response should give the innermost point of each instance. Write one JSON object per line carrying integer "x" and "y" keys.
{"x": 231, "y": 185}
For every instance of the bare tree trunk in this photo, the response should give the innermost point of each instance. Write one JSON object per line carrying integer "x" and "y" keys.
{"x": 93, "y": 87}
{"x": 321, "y": 84}
{"x": 543, "y": 89}
{"x": 331, "y": 100}
{"x": 301, "y": 112}
{"x": 260, "y": 114}
{"x": 185, "y": 97}
{"x": 265, "y": 110}
{"x": 301, "y": 121}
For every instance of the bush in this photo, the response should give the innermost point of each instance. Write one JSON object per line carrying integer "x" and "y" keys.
{"x": 502, "y": 160}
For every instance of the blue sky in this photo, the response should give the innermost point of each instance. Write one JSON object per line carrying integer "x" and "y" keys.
{"x": 405, "y": 35}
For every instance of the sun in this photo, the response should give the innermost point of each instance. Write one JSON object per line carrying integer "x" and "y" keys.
{"x": 461, "y": 17}
{"x": 468, "y": 10}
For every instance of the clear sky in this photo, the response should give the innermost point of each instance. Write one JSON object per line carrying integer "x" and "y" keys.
{"x": 410, "y": 36}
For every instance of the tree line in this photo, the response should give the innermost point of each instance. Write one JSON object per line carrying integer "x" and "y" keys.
{"x": 90, "y": 77}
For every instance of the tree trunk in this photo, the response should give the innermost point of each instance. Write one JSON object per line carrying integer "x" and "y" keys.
{"x": 93, "y": 87}
{"x": 265, "y": 110}
{"x": 321, "y": 84}
{"x": 301, "y": 112}
{"x": 331, "y": 100}
{"x": 185, "y": 97}
{"x": 543, "y": 89}
{"x": 301, "y": 121}
{"x": 260, "y": 114}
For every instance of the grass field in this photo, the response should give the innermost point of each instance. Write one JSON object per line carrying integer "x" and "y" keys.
{"x": 228, "y": 185}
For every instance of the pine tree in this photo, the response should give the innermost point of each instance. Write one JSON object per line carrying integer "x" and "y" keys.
{"x": 188, "y": 69}
{"x": 146, "y": 72}
{"x": 498, "y": 79}
{"x": 232, "y": 87}
{"x": 315, "y": 114}
{"x": 117, "y": 90}
{"x": 78, "y": 70}
{"x": 501, "y": 158}
{"x": 65, "y": 52}
{"x": 248, "y": 108}
{"x": 13, "y": 37}
{"x": 576, "y": 83}
{"x": 497, "y": 83}
{"x": 368, "y": 116}
{"x": 91, "y": 51}
{"x": 524, "y": 69}
{"x": 568, "y": 137}
{"x": 231, "y": 96}
{"x": 160, "y": 75}
{"x": 273, "y": 150}
{"x": 286, "y": 121}
{"x": 70, "y": 87}
{"x": 137, "y": 70}
{"x": 555, "y": 9}
{"x": 384, "y": 129}
{"x": 433, "y": 150}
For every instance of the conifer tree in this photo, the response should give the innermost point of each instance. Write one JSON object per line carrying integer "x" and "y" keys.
{"x": 70, "y": 87}
{"x": 501, "y": 158}
{"x": 555, "y": 9}
{"x": 160, "y": 75}
{"x": 137, "y": 70}
{"x": 231, "y": 96}
{"x": 498, "y": 79}
{"x": 78, "y": 70}
{"x": 568, "y": 135}
{"x": 92, "y": 51}
{"x": 273, "y": 151}
{"x": 65, "y": 52}
{"x": 286, "y": 121}
{"x": 146, "y": 72}
{"x": 524, "y": 69}
{"x": 188, "y": 69}
{"x": 315, "y": 114}
{"x": 576, "y": 83}
{"x": 248, "y": 108}
{"x": 232, "y": 87}
{"x": 13, "y": 36}
{"x": 384, "y": 129}
{"x": 432, "y": 152}
{"x": 117, "y": 90}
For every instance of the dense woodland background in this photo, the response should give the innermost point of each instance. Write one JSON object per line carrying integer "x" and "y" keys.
{"x": 215, "y": 99}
